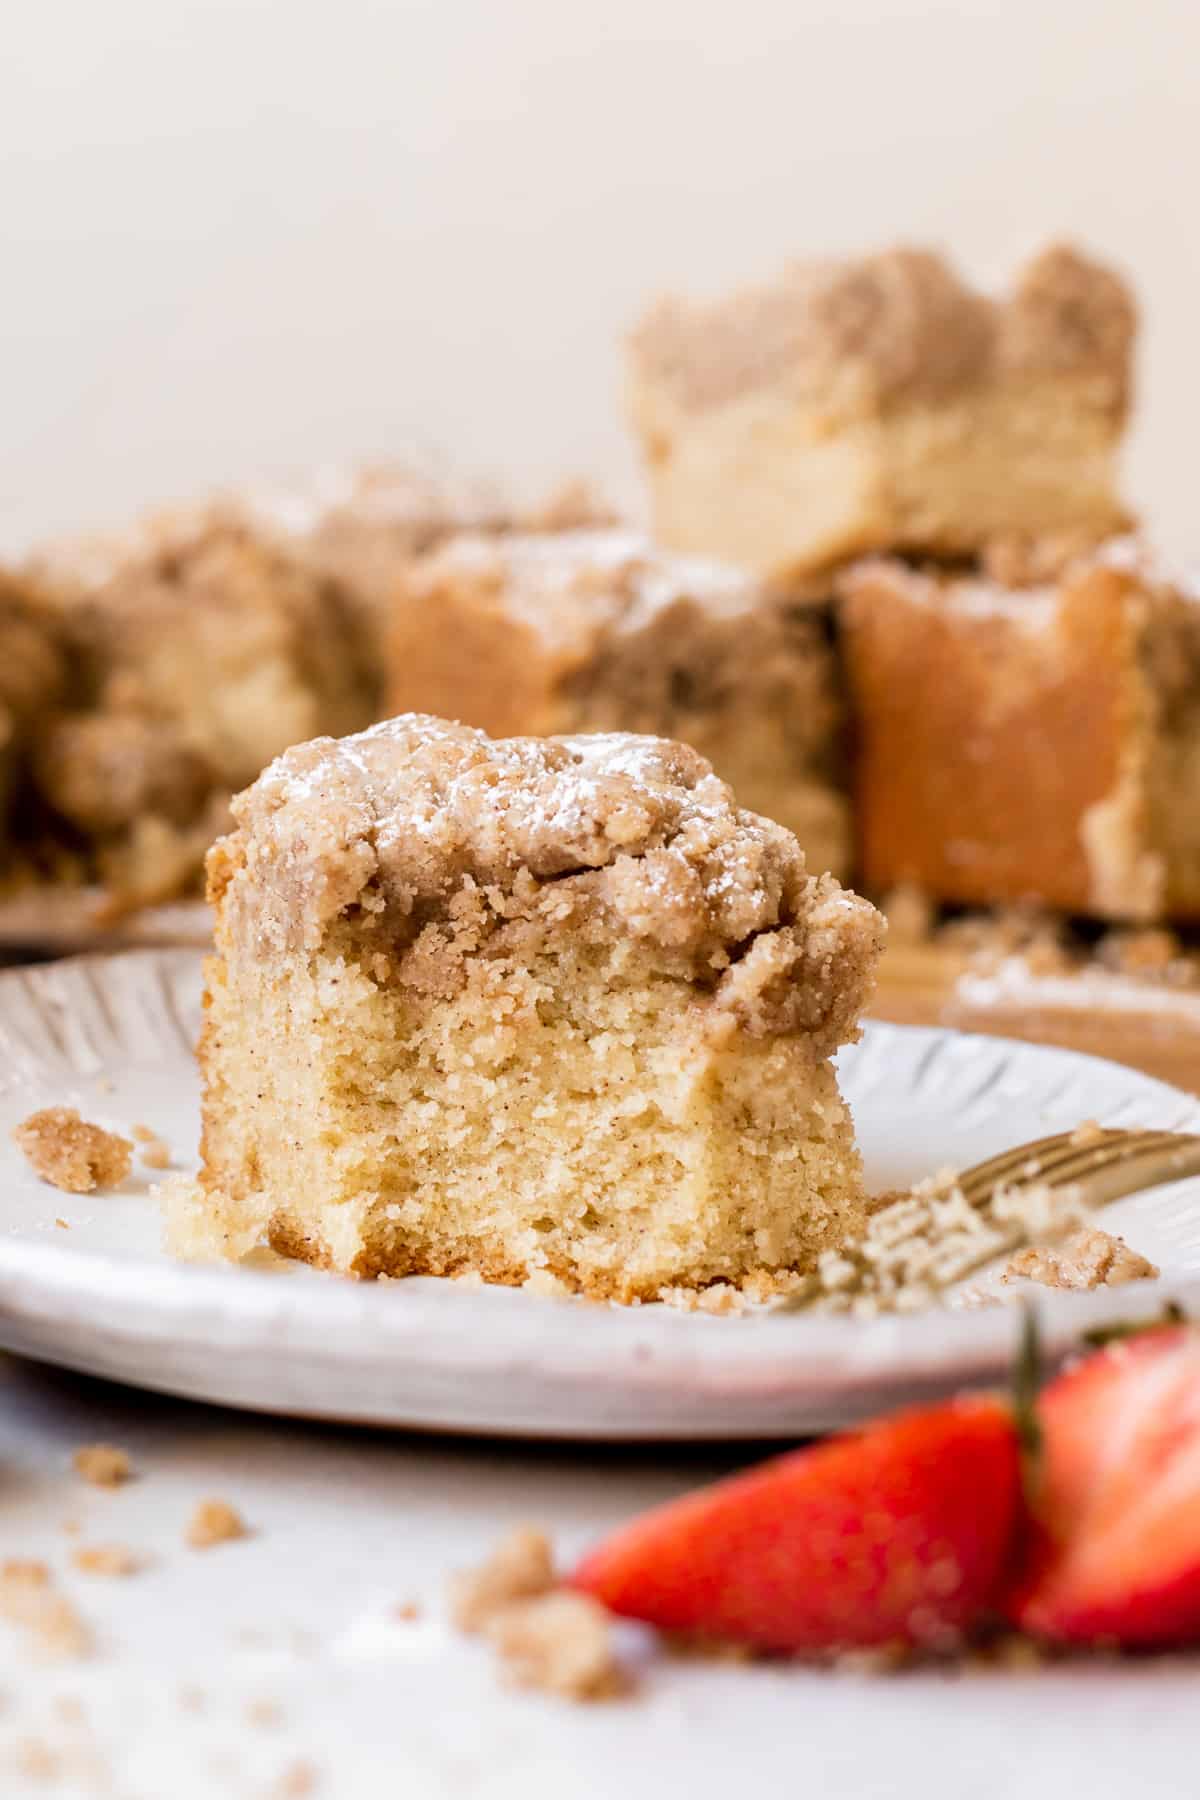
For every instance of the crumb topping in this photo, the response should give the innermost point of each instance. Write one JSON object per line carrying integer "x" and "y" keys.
{"x": 557, "y": 584}
{"x": 430, "y": 823}
{"x": 899, "y": 325}
{"x": 71, "y": 1154}
{"x": 104, "y": 1465}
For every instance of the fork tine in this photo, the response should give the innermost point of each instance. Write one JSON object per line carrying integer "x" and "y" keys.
{"x": 1119, "y": 1162}
{"x": 1011, "y": 1162}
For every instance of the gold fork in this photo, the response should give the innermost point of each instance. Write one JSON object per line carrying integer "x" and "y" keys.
{"x": 1103, "y": 1165}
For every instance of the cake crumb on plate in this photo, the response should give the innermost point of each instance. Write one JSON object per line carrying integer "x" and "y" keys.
{"x": 1089, "y": 1258}
{"x": 72, "y": 1154}
{"x": 153, "y": 1150}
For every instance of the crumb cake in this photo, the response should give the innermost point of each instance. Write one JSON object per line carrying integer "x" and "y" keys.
{"x": 361, "y": 527}
{"x": 519, "y": 1006}
{"x": 879, "y": 403}
{"x": 1038, "y": 742}
{"x": 196, "y": 651}
{"x": 31, "y": 681}
{"x": 599, "y": 631}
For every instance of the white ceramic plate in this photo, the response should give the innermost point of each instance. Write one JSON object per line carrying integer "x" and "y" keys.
{"x": 57, "y": 919}
{"x": 113, "y": 1036}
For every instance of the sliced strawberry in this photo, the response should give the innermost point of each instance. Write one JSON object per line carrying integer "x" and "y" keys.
{"x": 1114, "y": 1542}
{"x": 897, "y": 1534}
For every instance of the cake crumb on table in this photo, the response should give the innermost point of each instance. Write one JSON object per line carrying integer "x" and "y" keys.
{"x": 106, "y": 1559}
{"x": 544, "y": 1635}
{"x": 72, "y": 1154}
{"x": 521, "y": 1567}
{"x": 1089, "y": 1258}
{"x": 214, "y": 1522}
{"x": 30, "y": 1601}
{"x": 297, "y": 1782}
{"x": 265, "y": 1713}
{"x": 560, "y": 1643}
{"x": 408, "y": 1611}
{"x": 104, "y": 1465}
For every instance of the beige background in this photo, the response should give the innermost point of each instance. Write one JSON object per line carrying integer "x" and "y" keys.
{"x": 242, "y": 235}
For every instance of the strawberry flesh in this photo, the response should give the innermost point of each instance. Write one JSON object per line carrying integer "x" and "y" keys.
{"x": 898, "y": 1534}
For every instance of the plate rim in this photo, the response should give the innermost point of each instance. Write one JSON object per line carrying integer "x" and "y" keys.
{"x": 133, "y": 1305}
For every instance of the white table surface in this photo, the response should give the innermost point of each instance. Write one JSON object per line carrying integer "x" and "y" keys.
{"x": 346, "y": 1525}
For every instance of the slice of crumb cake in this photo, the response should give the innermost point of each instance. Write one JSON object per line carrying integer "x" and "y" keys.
{"x": 600, "y": 631}
{"x": 881, "y": 403}
{"x": 523, "y": 1004}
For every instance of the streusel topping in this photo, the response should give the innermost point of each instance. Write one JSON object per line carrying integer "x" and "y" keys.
{"x": 421, "y": 820}
{"x": 898, "y": 325}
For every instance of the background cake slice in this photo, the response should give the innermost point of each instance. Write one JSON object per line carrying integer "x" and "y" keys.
{"x": 195, "y": 650}
{"x": 521, "y": 1005}
{"x": 879, "y": 403}
{"x": 1029, "y": 743}
{"x": 599, "y": 631}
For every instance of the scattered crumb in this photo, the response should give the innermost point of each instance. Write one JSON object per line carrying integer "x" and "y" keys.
{"x": 880, "y": 1659}
{"x": 105, "y": 1086}
{"x": 155, "y": 1152}
{"x": 544, "y": 1283}
{"x": 66, "y": 1151}
{"x": 214, "y": 1522}
{"x": 106, "y": 1559}
{"x": 62, "y": 1224}
{"x": 408, "y": 1611}
{"x": 297, "y": 1782}
{"x": 520, "y": 1568}
{"x": 30, "y": 1601}
{"x": 719, "y": 1298}
{"x": 1089, "y": 1258}
{"x": 1019, "y": 1655}
{"x": 25, "y": 1572}
{"x": 560, "y": 1643}
{"x": 37, "y": 1761}
{"x": 192, "y": 1699}
{"x": 103, "y": 1465}
{"x": 919, "y": 1244}
{"x": 69, "y": 1708}
{"x": 694, "y": 1646}
{"x": 72, "y": 1527}
{"x": 1154, "y": 955}
{"x": 265, "y": 1713}
{"x": 1090, "y": 1132}
{"x": 910, "y": 913}
{"x": 468, "y": 1278}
